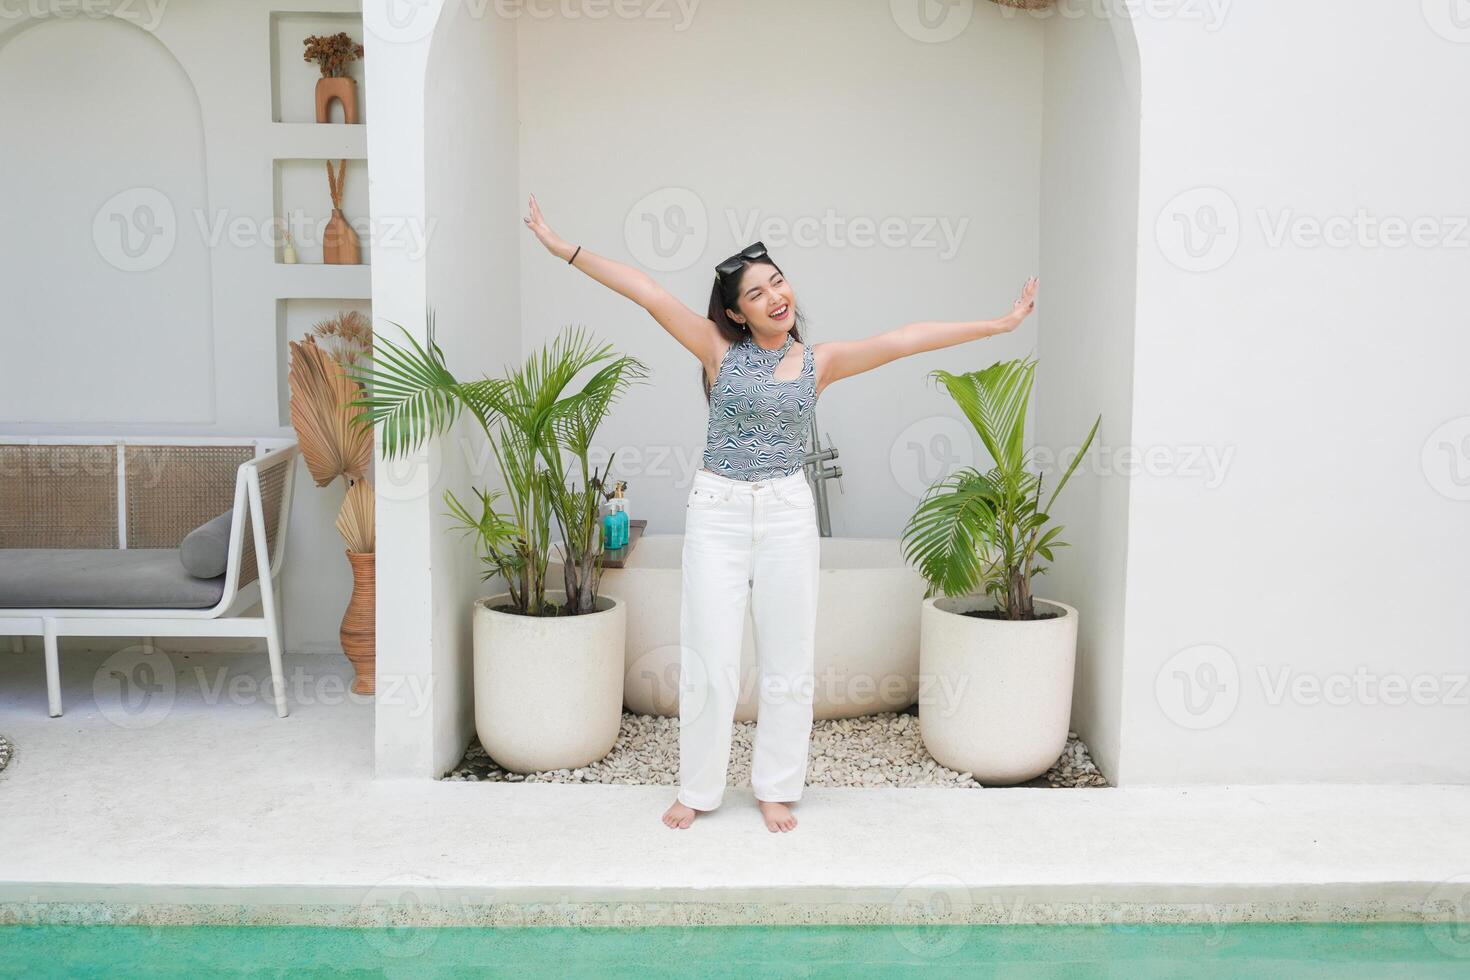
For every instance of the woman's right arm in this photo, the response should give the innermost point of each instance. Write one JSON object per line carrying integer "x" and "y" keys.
{"x": 696, "y": 333}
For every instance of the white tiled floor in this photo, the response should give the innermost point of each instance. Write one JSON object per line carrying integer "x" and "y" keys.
{"x": 218, "y": 810}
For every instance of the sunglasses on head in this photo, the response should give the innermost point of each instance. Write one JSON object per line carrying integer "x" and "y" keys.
{"x": 748, "y": 254}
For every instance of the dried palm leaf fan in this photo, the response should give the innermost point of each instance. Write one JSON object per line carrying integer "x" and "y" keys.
{"x": 356, "y": 518}
{"x": 334, "y": 445}
{"x": 321, "y": 394}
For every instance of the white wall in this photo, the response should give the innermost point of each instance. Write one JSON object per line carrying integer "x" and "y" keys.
{"x": 409, "y": 584}
{"x": 671, "y": 144}
{"x": 161, "y": 118}
{"x": 1089, "y": 204}
{"x": 1333, "y": 550}
{"x": 474, "y": 277}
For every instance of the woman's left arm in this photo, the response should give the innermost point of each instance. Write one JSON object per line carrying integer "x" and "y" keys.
{"x": 844, "y": 358}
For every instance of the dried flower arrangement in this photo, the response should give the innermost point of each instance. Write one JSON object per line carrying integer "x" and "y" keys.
{"x": 332, "y": 53}
{"x": 335, "y": 183}
{"x": 348, "y": 336}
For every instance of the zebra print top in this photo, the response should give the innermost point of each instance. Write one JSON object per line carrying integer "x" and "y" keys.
{"x": 757, "y": 425}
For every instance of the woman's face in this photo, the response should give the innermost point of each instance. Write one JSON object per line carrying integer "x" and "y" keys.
{"x": 767, "y": 303}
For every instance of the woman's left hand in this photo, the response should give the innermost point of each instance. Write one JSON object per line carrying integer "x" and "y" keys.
{"x": 1026, "y": 304}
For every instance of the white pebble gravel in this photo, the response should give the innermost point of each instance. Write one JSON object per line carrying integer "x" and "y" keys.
{"x": 875, "y": 750}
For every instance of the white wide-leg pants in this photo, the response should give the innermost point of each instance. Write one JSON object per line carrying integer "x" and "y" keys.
{"x": 754, "y": 540}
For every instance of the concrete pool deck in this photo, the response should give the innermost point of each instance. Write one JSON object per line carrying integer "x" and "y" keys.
{"x": 215, "y": 810}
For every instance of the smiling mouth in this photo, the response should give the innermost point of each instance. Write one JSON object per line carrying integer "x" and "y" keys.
{"x": 781, "y": 312}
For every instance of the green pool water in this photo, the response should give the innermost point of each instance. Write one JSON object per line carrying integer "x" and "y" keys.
{"x": 1135, "y": 952}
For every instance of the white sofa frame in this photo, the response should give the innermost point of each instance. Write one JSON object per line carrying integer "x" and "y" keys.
{"x": 224, "y": 618}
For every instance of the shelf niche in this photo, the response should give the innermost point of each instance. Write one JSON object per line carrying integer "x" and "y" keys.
{"x": 303, "y": 205}
{"x": 294, "y": 320}
{"x": 293, "y": 79}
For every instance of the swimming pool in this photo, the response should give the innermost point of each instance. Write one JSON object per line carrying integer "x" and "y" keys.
{"x": 1140, "y": 952}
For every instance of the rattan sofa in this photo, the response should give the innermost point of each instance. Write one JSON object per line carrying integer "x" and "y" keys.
{"x": 91, "y": 531}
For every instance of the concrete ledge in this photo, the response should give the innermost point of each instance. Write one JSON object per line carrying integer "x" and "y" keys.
{"x": 221, "y": 812}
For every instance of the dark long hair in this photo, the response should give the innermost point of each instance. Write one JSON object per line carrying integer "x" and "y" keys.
{"x": 725, "y": 294}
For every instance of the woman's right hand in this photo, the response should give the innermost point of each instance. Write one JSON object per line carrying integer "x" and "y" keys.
{"x": 544, "y": 234}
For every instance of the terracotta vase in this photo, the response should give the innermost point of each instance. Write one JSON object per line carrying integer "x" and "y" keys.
{"x": 359, "y": 624}
{"x": 339, "y": 242}
{"x": 343, "y": 90}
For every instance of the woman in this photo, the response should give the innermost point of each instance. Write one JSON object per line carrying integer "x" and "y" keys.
{"x": 750, "y": 524}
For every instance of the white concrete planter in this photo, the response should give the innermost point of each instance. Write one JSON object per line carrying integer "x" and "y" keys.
{"x": 548, "y": 690}
{"x": 996, "y": 696}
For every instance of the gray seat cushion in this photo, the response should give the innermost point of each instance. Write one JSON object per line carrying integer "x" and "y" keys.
{"x": 102, "y": 578}
{"x": 206, "y": 550}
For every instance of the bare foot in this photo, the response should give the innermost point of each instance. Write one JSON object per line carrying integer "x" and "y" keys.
{"x": 680, "y": 816}
{"x": 778, "y": 816}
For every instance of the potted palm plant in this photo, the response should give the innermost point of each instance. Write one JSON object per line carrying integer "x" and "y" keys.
{"x": 548, "y": 660}
{"x": 323, "y": 394}
{"x": 998, "y": 661}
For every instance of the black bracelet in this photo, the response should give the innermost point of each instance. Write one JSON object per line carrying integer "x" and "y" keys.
{"x": 574, "y": 255}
